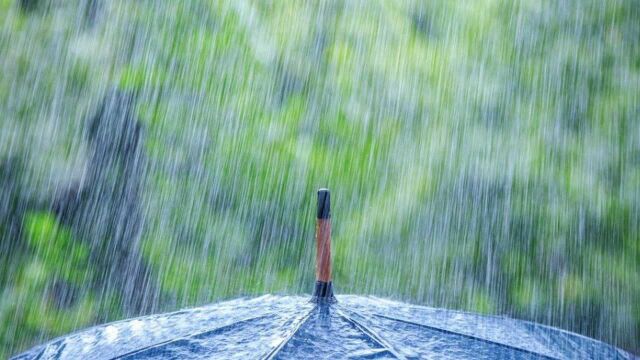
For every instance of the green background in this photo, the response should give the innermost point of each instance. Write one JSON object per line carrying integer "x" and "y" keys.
{"x": 482, "y": 155}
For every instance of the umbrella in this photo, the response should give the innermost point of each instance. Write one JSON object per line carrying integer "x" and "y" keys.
{"x": 328, "y": 326}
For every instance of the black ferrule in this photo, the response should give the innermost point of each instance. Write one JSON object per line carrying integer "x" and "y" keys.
{"x": 324, "y": 204}
{"x": 323, "y": 290}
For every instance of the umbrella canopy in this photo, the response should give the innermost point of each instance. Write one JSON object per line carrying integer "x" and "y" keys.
{"x": 270, "y": 327}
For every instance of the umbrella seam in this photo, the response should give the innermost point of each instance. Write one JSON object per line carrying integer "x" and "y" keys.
{"x": 303, "y": 320}
{"x": 371, "y": 335}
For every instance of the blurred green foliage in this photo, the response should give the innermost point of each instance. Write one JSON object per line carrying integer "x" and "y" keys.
{"x": 482, "y": 155}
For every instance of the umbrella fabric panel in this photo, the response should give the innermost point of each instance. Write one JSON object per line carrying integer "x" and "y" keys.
{"x": 412, "y": 340}
{"x": 244, "y": 339}
{"x": 535, "y": 338}
{"x": 126, "y": 337}
{"x": 494, "y": 329}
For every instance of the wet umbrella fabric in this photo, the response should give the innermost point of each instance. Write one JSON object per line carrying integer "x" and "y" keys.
{"x": 271, "y": 327}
